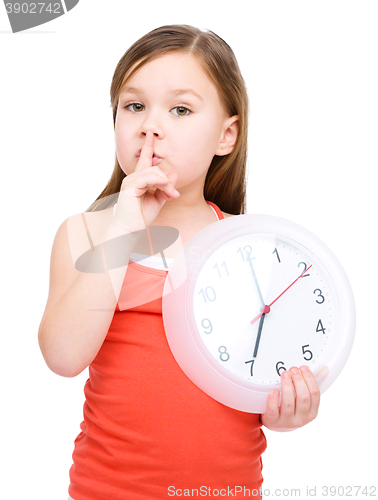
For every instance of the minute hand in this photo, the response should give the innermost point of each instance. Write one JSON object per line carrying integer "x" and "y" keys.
{"x": 255, "y": 280}
{"x": 266, "y": 309}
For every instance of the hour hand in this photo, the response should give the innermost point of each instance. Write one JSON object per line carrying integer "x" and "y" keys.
{"x": 259, "y": 335}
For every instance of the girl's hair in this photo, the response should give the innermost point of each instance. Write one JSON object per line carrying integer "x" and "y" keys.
{"x": 225, "y": 183}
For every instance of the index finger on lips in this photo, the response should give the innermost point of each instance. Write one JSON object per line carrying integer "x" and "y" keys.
{"x": 147, "y": 152}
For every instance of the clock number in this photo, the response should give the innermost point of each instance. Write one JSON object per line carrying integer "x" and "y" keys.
{"x": 306, "y": 351}
{"x": 224, "y": 356}
{"x": 208, "y": 296}
{"x": 276, "y": 252}
{"x": 207, "y": 326}
{"x": 222, "y": 265}
{"x": 251, "y": 361}
{"x": 248, "y": 251}
{"x": 305, "y": 267}
{"x": 280, "y": 368}
{"x": 320, "y": 327}
{"x": 320, "y": 295}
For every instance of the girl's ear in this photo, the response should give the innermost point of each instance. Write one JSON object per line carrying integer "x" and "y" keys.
{"x": 227, "y": 142}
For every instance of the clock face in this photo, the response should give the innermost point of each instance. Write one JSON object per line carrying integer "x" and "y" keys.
{"x": 251, "y": 296}
{"x": 246, "y": 273}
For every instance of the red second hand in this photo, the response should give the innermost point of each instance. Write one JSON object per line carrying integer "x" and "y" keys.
{"x": 266, "y": 309}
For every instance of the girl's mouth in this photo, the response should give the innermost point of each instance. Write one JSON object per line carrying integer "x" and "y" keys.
{"x": 155, "y": 159}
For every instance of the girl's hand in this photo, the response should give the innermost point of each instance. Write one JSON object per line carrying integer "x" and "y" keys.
{"x": 297, "y": 409}
{"x": 137, "y": 206}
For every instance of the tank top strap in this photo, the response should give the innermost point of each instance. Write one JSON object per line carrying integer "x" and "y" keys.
{"x": 216, "y": 209}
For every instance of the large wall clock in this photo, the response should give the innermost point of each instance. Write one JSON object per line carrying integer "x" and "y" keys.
{"x": 260, "y": 294}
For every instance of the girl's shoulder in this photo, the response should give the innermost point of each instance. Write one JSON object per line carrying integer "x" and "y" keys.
{"x": 97, "y": 222}
{"x": 89, "y": 227}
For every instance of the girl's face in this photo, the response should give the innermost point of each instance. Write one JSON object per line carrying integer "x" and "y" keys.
{"x": 172, "y": 97}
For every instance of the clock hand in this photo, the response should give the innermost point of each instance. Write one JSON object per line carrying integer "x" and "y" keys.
{"x": 259, "y": 335}
{"x": 266, "y": 309}
{"x": 255, "y": 279}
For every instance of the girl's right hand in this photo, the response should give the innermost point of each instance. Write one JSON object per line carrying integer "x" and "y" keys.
{"x": 137, "y": 207}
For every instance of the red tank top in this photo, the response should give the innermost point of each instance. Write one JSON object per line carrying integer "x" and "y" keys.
{"x": 148, "y": 432}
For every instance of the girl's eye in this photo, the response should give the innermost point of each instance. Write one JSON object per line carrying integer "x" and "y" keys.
{"x": 180, "y": 111}
{"x": 136, "y": 107}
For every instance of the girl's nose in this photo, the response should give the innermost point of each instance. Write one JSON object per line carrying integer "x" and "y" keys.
{"x": 156, "y": 134}
{"x": 152, "y": 124}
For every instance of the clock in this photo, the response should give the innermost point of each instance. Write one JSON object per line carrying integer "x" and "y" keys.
{"x": 255, "y": 295}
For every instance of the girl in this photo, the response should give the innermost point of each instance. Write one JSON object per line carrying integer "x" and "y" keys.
{"x": 180, "y": 115}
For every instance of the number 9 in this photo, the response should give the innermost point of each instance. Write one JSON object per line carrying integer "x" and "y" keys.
{"x": 207, "y": 326}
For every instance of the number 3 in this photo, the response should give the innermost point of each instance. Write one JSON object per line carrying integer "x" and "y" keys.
{"x": 320, "y": 295}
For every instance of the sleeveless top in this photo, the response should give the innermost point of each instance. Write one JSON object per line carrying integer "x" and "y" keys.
{"x": 148, "y": 432}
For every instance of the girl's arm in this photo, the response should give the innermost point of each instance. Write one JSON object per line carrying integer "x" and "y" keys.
{"x": 80, "y": 305}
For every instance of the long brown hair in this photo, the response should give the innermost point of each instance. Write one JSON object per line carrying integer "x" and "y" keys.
{"x": 225, "y": 183}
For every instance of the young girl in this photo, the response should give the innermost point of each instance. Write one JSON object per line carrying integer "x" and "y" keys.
{"x": 180, "y": 113}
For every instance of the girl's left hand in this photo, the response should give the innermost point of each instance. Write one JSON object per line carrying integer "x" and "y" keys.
{"x": 297, "y": 409}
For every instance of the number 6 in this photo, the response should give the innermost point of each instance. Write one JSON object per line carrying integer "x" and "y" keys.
{"x": 280, "y": 368}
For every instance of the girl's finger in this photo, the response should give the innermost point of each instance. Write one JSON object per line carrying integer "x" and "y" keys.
{"x": 288, "y": 397}
{"x": 313, "y": 389}
{"x": 143, "y": 185}
{"x": 147, "y": 152}
{"x": 303, "y": 396}
{"x": 172, "y": 176}
{"x": 272, "y": 412}
{"x": 151, "y": 179}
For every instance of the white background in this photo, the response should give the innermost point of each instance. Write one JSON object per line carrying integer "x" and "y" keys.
{"x": 311, "y": 73}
